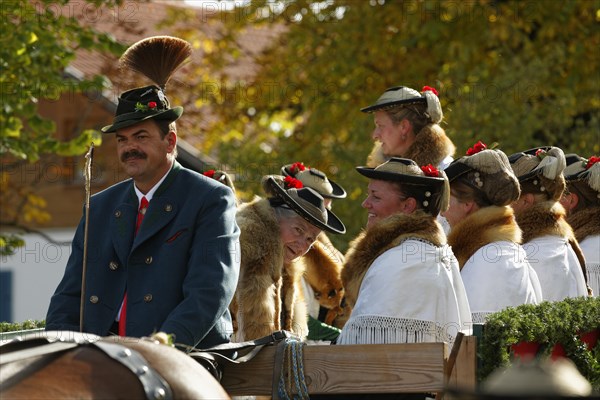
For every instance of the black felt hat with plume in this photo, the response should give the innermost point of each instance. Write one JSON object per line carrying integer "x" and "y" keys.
{"x": 157, "y": 58}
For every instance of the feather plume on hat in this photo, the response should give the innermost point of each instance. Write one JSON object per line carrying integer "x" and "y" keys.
{"x": 156, "y": 57}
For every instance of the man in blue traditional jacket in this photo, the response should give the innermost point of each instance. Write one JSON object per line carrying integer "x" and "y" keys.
{"x": 163, "y": 249}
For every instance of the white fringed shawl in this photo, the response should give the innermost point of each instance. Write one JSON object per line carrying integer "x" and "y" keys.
{"x": 411, "y": 293}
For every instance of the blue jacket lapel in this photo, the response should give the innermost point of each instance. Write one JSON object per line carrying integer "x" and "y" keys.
{"x": 122, "y": 224}
{"x": 161, "y": 210}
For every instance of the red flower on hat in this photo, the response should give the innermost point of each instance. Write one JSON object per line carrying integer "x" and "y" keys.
{"x": 152, "y": 104}
{"x": 429, "y": 89}
{"x": 477, "y": 147}
{"x": 540, "y": 153}
{"x": 430, "y": 170}
{"x": 592, "y": 160}
{"x": 210, "y": 173}
{"x": 292, "y": 183}
{"x": 297, "y": 167}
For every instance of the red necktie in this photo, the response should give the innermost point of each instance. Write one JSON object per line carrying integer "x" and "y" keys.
{"x": 140, "y": 217}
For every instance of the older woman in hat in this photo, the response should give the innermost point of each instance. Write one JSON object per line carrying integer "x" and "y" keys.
{"x": 485, "y": 236}
{"x": 400, "y": 276}
{"x": 274, "y": 232}
{"x": 322, "y": 264}
{"x": 551, "y": 246}
{"x": 582, "y": 201}
{"x": 407, "y": 125}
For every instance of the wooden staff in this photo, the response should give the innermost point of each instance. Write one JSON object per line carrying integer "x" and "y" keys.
{"x": 88, "y": 183}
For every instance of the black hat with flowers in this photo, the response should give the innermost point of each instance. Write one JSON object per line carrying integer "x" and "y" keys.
{"x": 306, "y": 202}
{"x": 587, "y": 181}
{"x": 575, "y": 165}
{"x": 315, "y": 179}
{"x": 488, "y": 171}
{"x": 157, "y": 58}
{"x": 547, "y": 161}
{"x": 433, "y": 188}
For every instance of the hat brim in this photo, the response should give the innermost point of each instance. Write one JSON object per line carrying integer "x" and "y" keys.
{"x": 129, "y": 119}
{"x": 390, "y": 104}
{"x": 333, "y": 225}
{"x": 428, "y": 181}
{"x": 456, "y": 169}
{"x": 526, "y": 176}
{"x": 337, "y": 191}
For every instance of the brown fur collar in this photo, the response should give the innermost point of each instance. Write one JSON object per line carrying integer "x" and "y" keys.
{"x": 262, "y": 250}
{"x": 256, "y": 307}
{"x": 294, "y": 316}
{"x": 585, "y": 222}
{"x": 544, "y": 218}
{"x": 487, "y": 225}
{"x": 548, "y": 218}
{"x": 431, "y": 146}
{"x": 385, "y": 235}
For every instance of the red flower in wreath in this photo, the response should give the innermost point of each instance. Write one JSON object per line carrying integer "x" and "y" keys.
{"x": 297, "y": 167}
{"x": 592, "y": 160}
{"x": 429, "y": 89}
{"x": 152, "y": 104}
{"x": 292, "y": 183}
{"x": 210, "y": 173}
{"x": 477, "y": 147}
{"x": 430, "y": 170}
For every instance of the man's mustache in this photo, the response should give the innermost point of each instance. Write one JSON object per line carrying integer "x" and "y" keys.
{"x": 133, "y": 154}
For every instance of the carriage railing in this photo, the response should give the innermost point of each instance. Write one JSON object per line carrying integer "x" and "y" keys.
{"x": 8, "y": 336}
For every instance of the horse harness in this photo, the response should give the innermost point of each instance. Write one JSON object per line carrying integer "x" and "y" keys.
{"x": 19, "y": 353}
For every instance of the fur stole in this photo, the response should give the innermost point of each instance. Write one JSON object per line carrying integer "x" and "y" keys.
{"x": 386, "y": 234}
{"x": 549, "y": 218}
{"x": 294, "y": 316}
{"x": 323, "y": 272}
{"x": 431, "y": 146}
{"x": 544, "y": 218}
{"x": 585, "y": 222}
{"x": 486, "y": 225}
{"x": 257, "y": 304}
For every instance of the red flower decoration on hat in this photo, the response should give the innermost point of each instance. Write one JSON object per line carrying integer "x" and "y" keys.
{"x": 540, "y": 153}
{"x": 292, "y": 183}
{"x": 297, "y": 167}
{"x": 210, "y": 173}
{"x": 592, "y": 160}
{"x": 430, "y": 170}
{"x": 429, "y": 89}
{"x": 152, "y": 104}
{"x": 477, "y": 147}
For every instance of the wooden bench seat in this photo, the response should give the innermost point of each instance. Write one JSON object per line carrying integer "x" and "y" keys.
{"x": 388, "y": 368}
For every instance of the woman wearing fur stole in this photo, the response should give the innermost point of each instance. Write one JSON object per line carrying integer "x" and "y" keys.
{"x": 322, "y": 264}
{"x": 276, "y": 231}
{"x": 582, "y": 202}
{"x": 551, "y": 246}
{"x": 485, "y": 236}
{"x": 407, "y": 125}
{"x": 400, "y": 276}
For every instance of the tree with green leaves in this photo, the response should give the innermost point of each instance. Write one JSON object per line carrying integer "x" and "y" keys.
{"x": 516, "y": 73}
{"x": 39, "y": 41}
